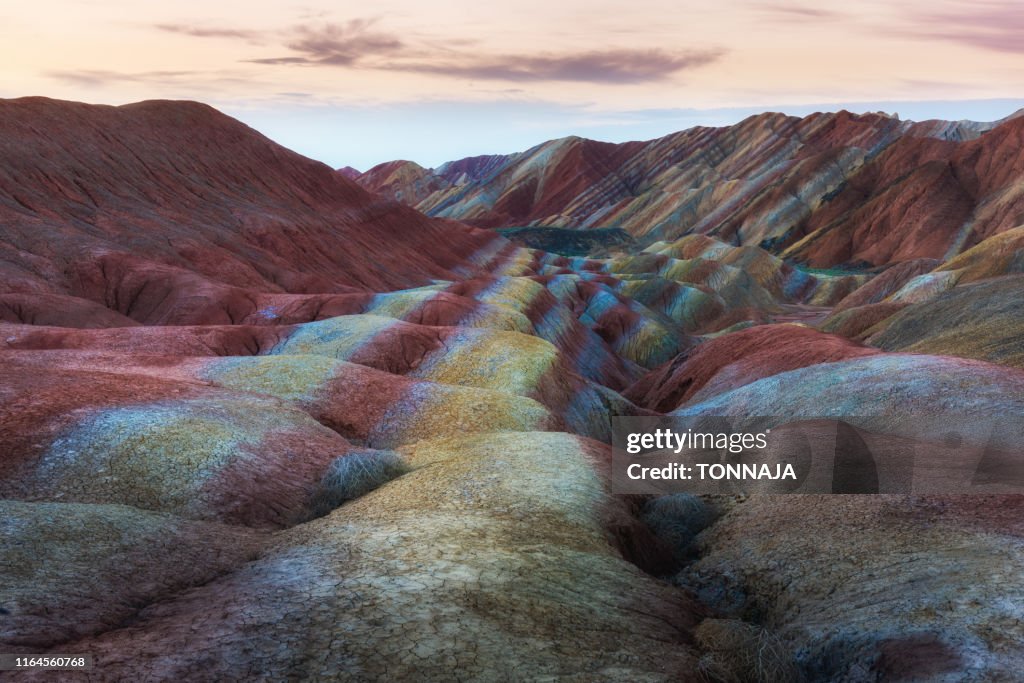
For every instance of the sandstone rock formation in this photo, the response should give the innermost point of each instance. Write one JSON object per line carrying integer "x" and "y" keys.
{"x": 894, "y": 595}
{"x": 174, "y": 213}
{"x": 201, "y": 333}
{"x": 827, "y": 189}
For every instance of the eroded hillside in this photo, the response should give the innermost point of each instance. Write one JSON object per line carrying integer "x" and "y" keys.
{"x": 259, "y": 423}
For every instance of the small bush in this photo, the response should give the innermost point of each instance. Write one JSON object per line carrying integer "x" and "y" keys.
{"x": 355, "y": 475}
{"x": 710, "y": 670}
{"x": 676, "y": 519}
{"x": 736, "y": 651}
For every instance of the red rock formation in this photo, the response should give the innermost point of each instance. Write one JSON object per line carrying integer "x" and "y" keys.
{"x": 737, "y": 359}
{"x": 403, "y": 181}
{"x": 978, "y": 320}
{"x": 198, "y": 337}
{"x": 859, "y": 321}
{"x": 471, "y": 168}
{"x": 159, "y": 206}
{"x": 826, "y": 189}
{"x": 886, "y": 283}
{"x": 58, "y": 310}
{"x": 349, "y": 172}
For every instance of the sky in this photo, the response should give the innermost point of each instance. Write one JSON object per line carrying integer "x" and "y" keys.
{"x": 356, "y": 83}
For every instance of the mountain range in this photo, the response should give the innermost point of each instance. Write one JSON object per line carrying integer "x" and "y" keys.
{"x": 264, "y": 419}
{"x": 834, "y": 189}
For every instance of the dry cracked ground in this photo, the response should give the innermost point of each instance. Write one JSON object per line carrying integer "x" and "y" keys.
{"x": 257, "y": 423}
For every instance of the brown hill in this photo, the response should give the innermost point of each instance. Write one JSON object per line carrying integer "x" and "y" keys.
{"x": 162, "y": 205}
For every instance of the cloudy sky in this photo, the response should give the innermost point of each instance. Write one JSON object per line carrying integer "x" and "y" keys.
{"x": 360, "y": 83}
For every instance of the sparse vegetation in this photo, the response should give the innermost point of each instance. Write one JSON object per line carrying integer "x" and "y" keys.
{"x": 593, "y": 242}
{"x": 676, "y": 519}
{"x": 355, "y": 475}
{"x": 738, "y": 652}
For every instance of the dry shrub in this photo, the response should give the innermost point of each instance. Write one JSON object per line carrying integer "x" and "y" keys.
{"x": 354, "y": 475}
{"x": 676, "y": 519}
{"x": 738, "y": 652}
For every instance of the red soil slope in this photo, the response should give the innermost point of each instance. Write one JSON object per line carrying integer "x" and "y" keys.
{"x": 161, "y": 205}
{"x": 737, "y": 359}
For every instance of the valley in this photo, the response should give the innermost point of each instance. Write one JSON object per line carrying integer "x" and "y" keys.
{"x": 261, "y": 420}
